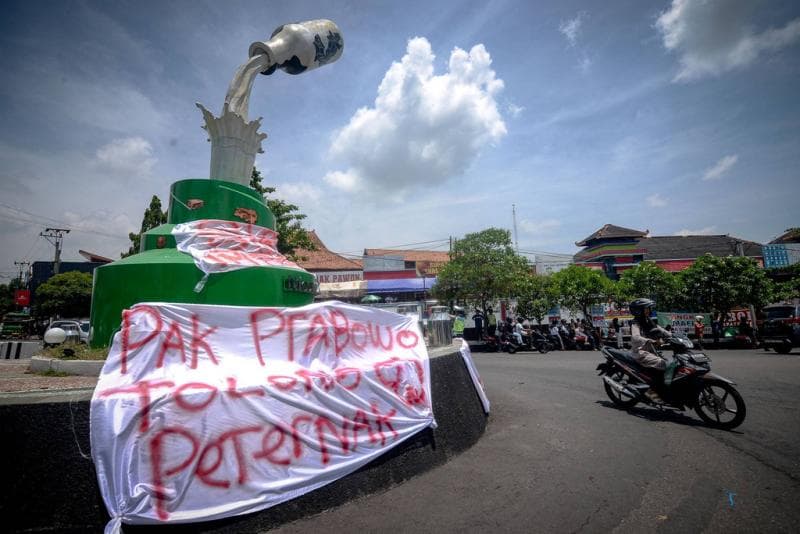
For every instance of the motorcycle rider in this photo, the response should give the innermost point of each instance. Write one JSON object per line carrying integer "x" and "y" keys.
{"x": 644, "y": 334}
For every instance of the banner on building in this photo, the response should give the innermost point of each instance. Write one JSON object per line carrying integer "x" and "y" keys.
{"x": 683, "y": 323}
{"x": 204, "y": 412}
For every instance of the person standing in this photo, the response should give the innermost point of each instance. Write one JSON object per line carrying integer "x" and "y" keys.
{"x": 491, "y": 323}
{"x": 716, "y": 328}
{"x": 699, "y": 328}
{"x": 555, "y": 334}
{"x": 478, "y": 318}
{"x": 617, "y": 331}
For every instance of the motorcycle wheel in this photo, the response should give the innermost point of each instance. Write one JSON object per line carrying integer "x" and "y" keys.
{"x": 511, "y": 349}
{"x": 545, "y": 347}
{"x": 713, "y": 404}
{"x": 618, "y": 398}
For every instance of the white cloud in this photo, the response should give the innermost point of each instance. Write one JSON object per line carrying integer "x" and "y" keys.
{"x": 544, "y": 227}
{"x": 721, "y": 167}
{"x": 101, "y": 222}
{"x": 514, "y": 110}
{"x": 131, "y": 156}
{"x": 346, "y": 181}
{"x": 572, "y": 28}
{"x": 585, "y": 64}
{"x": 301, "y": 193}
{"x": 715, "y": 36}
{"x": 424, "y": 128}
{"x": 656, "y": 201}
{"x": 708, "y": 230}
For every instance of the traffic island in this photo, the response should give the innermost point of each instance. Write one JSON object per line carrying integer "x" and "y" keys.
{"x": 53, "y": 484}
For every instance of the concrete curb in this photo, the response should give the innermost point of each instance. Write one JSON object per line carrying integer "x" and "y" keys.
{"x": 42, "y": 364}
{"x": 55, "y": 484}
{"x": 19, "y": 350}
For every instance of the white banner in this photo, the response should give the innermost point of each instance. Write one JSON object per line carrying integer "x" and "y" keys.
{"x": 466, "y": 355}
{"x": 219, "y": 246}
{"x": 204, "y": 412}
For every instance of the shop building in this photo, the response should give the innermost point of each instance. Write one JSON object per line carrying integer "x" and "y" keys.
{"x": 402, "y": 275}
{"x": 338, "y": 277}
{"x": 613, "y": 249}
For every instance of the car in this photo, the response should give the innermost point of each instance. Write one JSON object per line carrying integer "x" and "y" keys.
{"x": 72, "y": 328}
{"x": 85, "y": 329}
{"x": 781, "y": 327}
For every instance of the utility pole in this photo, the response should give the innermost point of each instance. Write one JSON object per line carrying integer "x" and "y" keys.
{"x": 55, "y": 236}
{"x": 514, "y": 216}
{"x": 22, "y": 266}
{"x": 740, "y": 252}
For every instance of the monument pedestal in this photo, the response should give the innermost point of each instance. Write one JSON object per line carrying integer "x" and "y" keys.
{"x": 161, "y": 273}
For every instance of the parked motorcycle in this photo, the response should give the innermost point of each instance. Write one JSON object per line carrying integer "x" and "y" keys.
{"x": 712, "y": 397}
{"x": 503, "y": 342}
{"x": 537, "y": 341}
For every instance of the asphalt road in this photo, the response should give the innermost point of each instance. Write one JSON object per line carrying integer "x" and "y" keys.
{"x": 558, "y": 457}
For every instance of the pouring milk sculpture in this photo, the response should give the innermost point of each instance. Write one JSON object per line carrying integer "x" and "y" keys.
{"x": 162, "y": 273}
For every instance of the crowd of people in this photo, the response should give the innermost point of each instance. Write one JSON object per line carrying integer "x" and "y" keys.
{"x": 563, "y": 334}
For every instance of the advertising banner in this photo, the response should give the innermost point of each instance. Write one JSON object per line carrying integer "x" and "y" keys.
{"x": 204, "y": 412}
{"x": 683, "y": 323}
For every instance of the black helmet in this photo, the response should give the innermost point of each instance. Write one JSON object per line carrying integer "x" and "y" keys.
{"x": 638, "y": 306}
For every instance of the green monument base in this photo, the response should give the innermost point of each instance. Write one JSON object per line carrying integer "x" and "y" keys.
{"x": 161, "y": 273}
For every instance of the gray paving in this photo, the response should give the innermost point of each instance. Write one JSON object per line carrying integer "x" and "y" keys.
{"x": 558, "y": 457}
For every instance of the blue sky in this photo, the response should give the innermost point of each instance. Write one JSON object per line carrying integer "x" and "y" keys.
{"x": 669, "y": 116}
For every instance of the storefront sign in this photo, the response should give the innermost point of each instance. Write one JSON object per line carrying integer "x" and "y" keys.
{"x": 333, "y": 277}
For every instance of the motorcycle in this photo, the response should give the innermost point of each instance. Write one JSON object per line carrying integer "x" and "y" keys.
{"x": 713, "y": 397}
{"x": 537, "y": 341}
{"x": 503, "y": 342}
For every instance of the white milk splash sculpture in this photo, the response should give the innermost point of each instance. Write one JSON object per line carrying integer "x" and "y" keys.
{"x": 293, "y": 48}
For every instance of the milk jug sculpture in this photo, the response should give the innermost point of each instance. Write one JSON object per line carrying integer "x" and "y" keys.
{"x": 162, "y": 273}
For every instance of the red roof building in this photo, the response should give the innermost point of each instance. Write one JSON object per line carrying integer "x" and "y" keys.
{"x": 328, "y": 266}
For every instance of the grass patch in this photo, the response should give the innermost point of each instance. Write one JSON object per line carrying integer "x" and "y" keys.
{"x": 74, "y": 351}
{"x": 52, "y": 372}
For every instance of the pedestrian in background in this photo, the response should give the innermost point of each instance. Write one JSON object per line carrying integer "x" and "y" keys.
{"x": 716, "y": 328}
{"x": 617, "y": 331}
{"x": 699, "y": 328}
{"x": 478, "y": 318}
{"x": 491, "y": 323}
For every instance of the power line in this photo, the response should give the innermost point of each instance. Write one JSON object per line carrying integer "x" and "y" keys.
{"x": 39, "y": 218}
{"x": 399, "y": 247}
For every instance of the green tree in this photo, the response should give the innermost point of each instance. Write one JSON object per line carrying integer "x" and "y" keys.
{"x": 535, "y": 296}
{"x": 291, "y": 234}
{"x": 787, "y": 281}
{"x": 649, "y": 280}
{"x": 718, "y": 284}
{"x": 579, "y": 287}
{"x": 483, "y": 266}
{"x": 65, "y": 295}
{"x": 153, "y": 216}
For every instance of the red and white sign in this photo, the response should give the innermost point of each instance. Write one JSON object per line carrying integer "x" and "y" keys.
{"x": 204, "y": 412}
{"x": 22, "y": 297}
{"x": 219, "y": 246}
